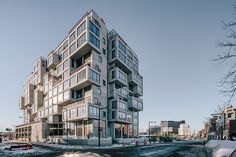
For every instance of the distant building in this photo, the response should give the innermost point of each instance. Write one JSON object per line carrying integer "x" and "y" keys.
{"x": 154, "y": 130}
{"x": 184, "y": 130}
{"x": 170, "y": 128}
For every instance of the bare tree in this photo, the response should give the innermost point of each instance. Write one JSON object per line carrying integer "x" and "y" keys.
{"x": 228, "y": 83}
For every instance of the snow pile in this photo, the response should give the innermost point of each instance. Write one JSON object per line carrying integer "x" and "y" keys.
{"x": 20, "y": 152}
{"x": 218, "y": 148}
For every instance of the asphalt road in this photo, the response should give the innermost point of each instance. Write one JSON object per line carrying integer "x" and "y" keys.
{"x": 186, "y": 149}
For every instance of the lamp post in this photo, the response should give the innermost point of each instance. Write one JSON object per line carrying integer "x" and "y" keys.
{"x": 149, "y": 131}
{"x": 99, "y": 129}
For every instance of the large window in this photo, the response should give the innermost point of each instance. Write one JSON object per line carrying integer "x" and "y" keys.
{"x": 93, "y": 111}
{"x": 59, "y": 69}
{"x": 66, "y": 84}
{"x": 66, "y": 64}
{"x": 121, "y": 105}
{"x": 94, "y": 40}
{"x": 94, "y": 28}
{"x": 122, "y": 57}
{"x": 73, "y": 80}
{"x": 66, "y": 94}
{"x": 122, "y": 47}
{"x": 81, "y": 111}
{"x": 94, "y": 76}
{"x": 82, "y": 75}
{"x": 65, "y": 54}
{"x": 72, "y": 37}
{"x": 72, "y": 48}
{"x": 73, "y": 113}
{"x": 81, "y": 40}
{"x": 122, "y": 77}
{"x": 60, "y": 98}
{"x": 81, "y": 28}
{"x": 66, "y": 74}
{"x": 60, "y": 88}
{"x": 121, "y": 116}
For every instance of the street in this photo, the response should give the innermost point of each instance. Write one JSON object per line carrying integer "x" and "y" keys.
{"x": 184, "y": 149}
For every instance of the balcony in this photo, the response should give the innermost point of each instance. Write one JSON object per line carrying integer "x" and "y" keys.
{"x": 39, "y": 98}
{"x": 83, "y": 76}
{"x": 82, "y": 110}
{"x": 52, "y": 60}
{"x": 121, "y": 60}
{"x": 120, "y": 91}
{"x": 29, "y": 95}
{"x": 118, "y": 76}
{"x": 22, "y": 103}
{"x": 138, "y": 90}
{"x": 133, "y": 79}
{"x": 121, "y": 116}
{"x": 135, "y": 104}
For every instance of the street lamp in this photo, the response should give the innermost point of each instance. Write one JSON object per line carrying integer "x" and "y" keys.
{"x": 149, "y": 131}
{"x": 99, "y": 129}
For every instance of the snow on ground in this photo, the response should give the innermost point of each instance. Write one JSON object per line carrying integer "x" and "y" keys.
{"x": 219, "y": 148}
{"x": 20, "y": 152}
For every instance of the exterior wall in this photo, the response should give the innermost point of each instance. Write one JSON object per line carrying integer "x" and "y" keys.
{"x": 67, "y": 89}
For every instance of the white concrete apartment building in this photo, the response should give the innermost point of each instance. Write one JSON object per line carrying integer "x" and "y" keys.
{"x": 92, "y": 69}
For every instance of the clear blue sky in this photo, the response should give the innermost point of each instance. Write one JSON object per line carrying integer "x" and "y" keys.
{"x": 175, "y": 42}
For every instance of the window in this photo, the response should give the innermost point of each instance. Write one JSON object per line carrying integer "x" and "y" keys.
{"x": 99, "y": 91}
{"x": 121, "y": 105}
{"x": 130, "y": 55}
{"x": 122, "y": 47}
{"x": 66, "y": 64}
{"x": 59, "y": 69}
{"x": 55, "y": 109}
{"x": 94, "y": 40}
{"x": 113, "y": 114}
{"x": 130, "y": 65}
{"x": 104, "y": 114}
{"x": 121, "y": 116}
{"x": 66, "y": 95}
{"x": 94, "y": 28}
{"x": 50, "y": 102}
{"x": 113, "y": 44}
{"x": 66, "y": 84}
{"x": 104, "y": 82}
{"x": 46, "y": 104}
{"x": 82, "y": 75}
{"x": 81, "y": 111}
{"x": 50, "y": 60}
{"x": 55, "y": 100}
{"x": 65, "y": 54}
{"x": 50, "y": 93}
{"x": 66, "y": 74}
{"x": 122, "y": 77}
{"x": 122, "y": 57}
{"x": 113, "y": 74}
{"x": 65, "y": 45}
{"x": 104, "y": 40}
{"x": 73, "y": 113}
{"x": 60, "y": 88}
{"x": 60, "y": 50}
{"x": 50, "y": 110}
{"x": 104, "y": 51}
{"x": 100, "y": 59}
{"x": 72, "y": 48}
{"x": 81, "y": 40}
{"x": 94, "y": 76}
{"x": 73, "y": 80}
{"x": 55, "y": 91}
{"x": 72, "y": 37}
{"x": 96, "y": 101}
{"x": 93, "y": 111}
{"x": 81, "y": 28}
{"x": 60, "y": 98}
{"x": 113, "y": 54}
